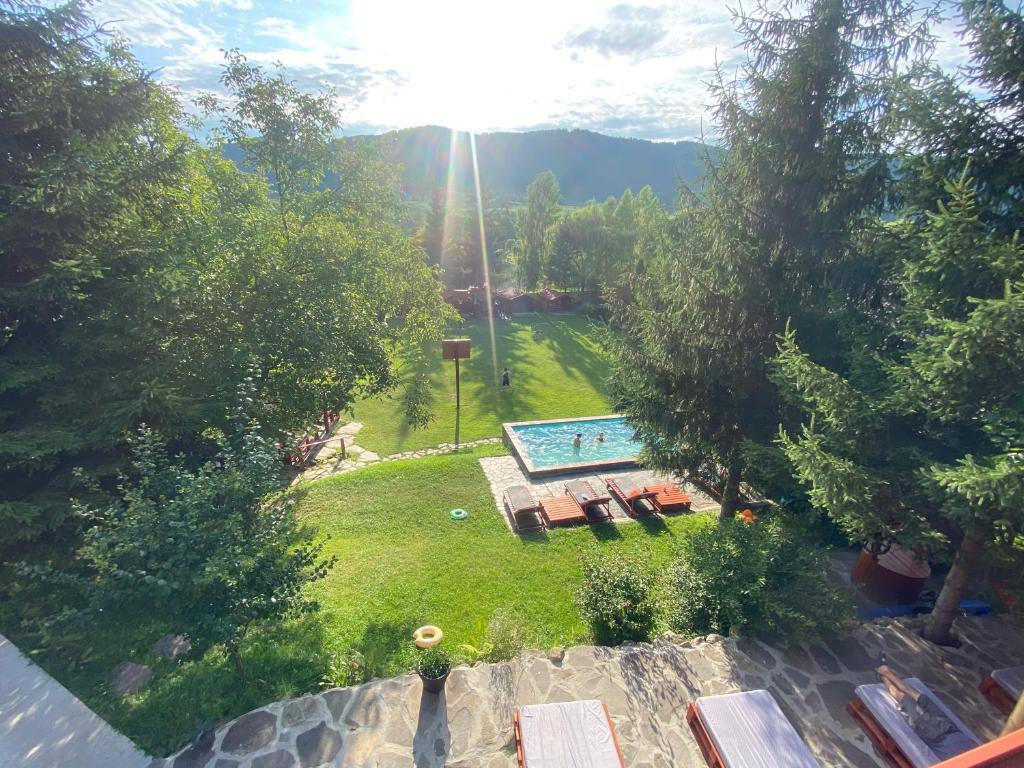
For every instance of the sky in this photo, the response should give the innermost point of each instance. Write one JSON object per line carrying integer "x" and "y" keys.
{"x": 638, "y": 70}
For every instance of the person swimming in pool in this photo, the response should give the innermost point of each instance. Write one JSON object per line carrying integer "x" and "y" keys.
{"x": 577, "y": 442}
{"x": 600, "y": 437}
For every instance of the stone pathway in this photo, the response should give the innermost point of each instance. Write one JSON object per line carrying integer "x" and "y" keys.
{"x": 42, "y": 725}
{"x": 391, "y": 723}
{"x": 328, "y": 459}
{"x": 503, "y": 471}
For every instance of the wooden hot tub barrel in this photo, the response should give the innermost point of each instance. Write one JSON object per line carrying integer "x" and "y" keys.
{"x": 897, "y": 576}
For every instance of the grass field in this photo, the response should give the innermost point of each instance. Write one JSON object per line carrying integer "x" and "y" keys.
{"x": 402, "y": 563}
{"x": 557, "y": 373}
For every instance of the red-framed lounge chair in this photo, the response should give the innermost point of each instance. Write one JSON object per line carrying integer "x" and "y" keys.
{"x": 567, "y": 735}
{"x": 562, "y": 510}
{"x": 596, "y": 507}
{"x": 635, "y": 500}
{"x": 746, "y": 730}
{"x": 892, "y": 737}
{"x": 524, "y": 509}
{"x": 669, "y": 498}
{"x": 1003, "y": 688}
{"x": 1005, "y": 752}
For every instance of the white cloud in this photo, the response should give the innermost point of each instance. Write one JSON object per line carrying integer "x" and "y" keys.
{"x": 628, "y": 68}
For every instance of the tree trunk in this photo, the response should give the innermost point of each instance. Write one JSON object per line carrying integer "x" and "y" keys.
{"x": 236, "y": 657}
{"x": 730, "y": 494}
{"x": 937, "y": 630}
{"x": 1016, "y": 719}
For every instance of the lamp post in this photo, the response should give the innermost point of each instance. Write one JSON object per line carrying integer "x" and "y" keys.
{"x": 456, "y": 349}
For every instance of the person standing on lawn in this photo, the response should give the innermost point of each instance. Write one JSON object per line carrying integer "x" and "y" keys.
{"x": 506, "y": 378}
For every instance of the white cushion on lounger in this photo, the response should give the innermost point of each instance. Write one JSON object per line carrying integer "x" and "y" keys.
{"x": 750, "y": 731}
{"x": 883, "y": 706}
{"x": 1011, "y": 680}
{"x": 575, "y": 734}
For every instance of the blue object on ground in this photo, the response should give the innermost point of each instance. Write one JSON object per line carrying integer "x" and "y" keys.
{"x": 975, "y": 607}
{"x": 968, "y": 607}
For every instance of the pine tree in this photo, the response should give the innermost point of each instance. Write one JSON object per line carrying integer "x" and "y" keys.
{"x": 769, "y": 238}
{"x": 919, "y": 442}
{"x": 87, "y": 142}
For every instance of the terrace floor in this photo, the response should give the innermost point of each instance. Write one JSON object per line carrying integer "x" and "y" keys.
{"x": 391, "y": 723}
{"x": 504, "y": 471}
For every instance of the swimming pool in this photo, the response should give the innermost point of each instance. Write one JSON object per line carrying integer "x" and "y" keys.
{"x": 546, "y": 447}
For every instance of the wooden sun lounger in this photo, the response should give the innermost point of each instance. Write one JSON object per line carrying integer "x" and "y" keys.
{"x": 562, "y": 510}
{"x": 669, "y": 498}
{"x": 566, "y": 735}
{"x": 746, "y": 730}
{"x": 635, "y": 500}
{"x": 524, "y": 509}
{"x": 1003, "y": 688}
{"x": 596, "y": 507}
{"x": 890, "y": 734}
{"x": 1005, "y": 752}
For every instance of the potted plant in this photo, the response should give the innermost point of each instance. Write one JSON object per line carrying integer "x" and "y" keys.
{"x": 433, "y": 667}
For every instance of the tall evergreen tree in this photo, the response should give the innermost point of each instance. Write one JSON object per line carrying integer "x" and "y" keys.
{"x": 920, "y": 441}
{"x": 977, "y": 113}
{"x": 86, "y": 143}
{"x": 803, "y": 129}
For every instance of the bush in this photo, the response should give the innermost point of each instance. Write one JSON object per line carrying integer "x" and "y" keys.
{"x": 507, "y": 635}
{"x": 345, "y": 668}
{"x": 616, "y": 598}
{"x": 500, "y": 639}
{"x": 434, "y": 662}
{"x": 756, "y": 578}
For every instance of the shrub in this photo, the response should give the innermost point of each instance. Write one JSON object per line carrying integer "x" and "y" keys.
{"x": 345, "y": 668}
{"x": 507, "y": 635}
{"x": 756, "y": 578}
{"x": 434, "y": 662}
{"x": 616, "y": 598}
{"x": 500, "y": 639}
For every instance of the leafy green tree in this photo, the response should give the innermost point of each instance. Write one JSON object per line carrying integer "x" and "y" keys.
{"x": 535, "y": 218}
{"x": 280, "y": 128}
{"x": 143, "y": 274}
{"x": 919, "y": 441}
{"x": 770, "y": 238}
{"x": 213, "y": 547}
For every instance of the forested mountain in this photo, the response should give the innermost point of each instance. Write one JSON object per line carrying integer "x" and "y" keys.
{"x": 589, "y": 166}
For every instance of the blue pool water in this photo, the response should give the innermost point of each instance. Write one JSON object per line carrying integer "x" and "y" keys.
{"x": 550, "y": 444}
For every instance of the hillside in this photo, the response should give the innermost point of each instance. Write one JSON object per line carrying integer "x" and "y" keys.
{"x": 589, "y": 166}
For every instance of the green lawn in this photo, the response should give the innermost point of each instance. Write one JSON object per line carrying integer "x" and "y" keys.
{"x": 559, "y": 372}
{"x": 401, "y": 563}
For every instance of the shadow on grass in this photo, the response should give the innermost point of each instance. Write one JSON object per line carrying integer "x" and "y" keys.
{"x": 654, "y": 525}
{"x": 571, "y": 349}
{"x": 283, "y": 661}
{"x": 605, "y": 531}
{"x": 386, "y": 646}
{"x": 530, "y": 538}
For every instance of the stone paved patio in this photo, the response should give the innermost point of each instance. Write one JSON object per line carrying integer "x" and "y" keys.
{"x": 391, "y": 723}
{"x": 503, "y": 471}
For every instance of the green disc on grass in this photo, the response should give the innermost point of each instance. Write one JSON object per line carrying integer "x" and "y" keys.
{"x": 458, "y": 514}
